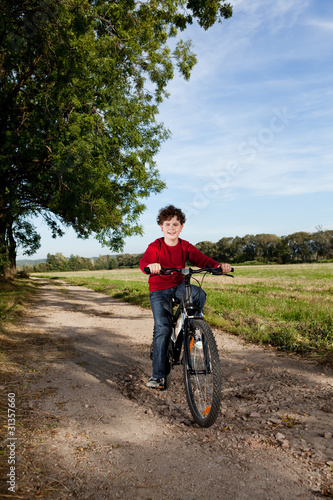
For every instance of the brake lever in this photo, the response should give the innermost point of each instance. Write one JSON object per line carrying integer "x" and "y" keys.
{"x": 163, "y": 272}
{"x": 223, "y": 274}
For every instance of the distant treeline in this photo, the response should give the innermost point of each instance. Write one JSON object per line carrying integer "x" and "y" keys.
{"x": 294, "y": 248}
{"x": 58, "y": 262}
{"x": 267, "y": 248}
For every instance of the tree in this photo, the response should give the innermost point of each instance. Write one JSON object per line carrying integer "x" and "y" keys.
{"x": 128, "y": 260}
{"x": 249, "y": 248}
{"x": 267, "y": 246}
{"x": 300, "y": 246}
{"x": 225, "y": 250}
{"x": 102, "y": 262}
{"x": 81, "y": 82}
{"x": 113, "y": 263}
{"x": 208, "y": 248}
{"x": 57, "y": 262}
{"x": 106, "y": 262}
{"x": 77, "y": 263}
{"x": 322, "y": 243}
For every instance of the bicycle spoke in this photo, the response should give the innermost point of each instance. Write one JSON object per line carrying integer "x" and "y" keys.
{"x": 202, "y": 375}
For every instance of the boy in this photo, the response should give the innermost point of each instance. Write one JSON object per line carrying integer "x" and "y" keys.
{"x": 170, "y": 251}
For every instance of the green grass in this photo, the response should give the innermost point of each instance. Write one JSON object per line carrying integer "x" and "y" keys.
{"x": 289, "y": 307}
{"x": 291, "y": 320}
{"x": 134, "y": 292}
{"x": 13, "y": 296}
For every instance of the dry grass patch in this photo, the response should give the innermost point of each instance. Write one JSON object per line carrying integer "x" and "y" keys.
{"x": 21, "y": 354}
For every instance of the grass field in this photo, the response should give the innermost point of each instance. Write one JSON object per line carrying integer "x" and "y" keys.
{"x": 289, "y": 307}
{"x": 13, "y": 296}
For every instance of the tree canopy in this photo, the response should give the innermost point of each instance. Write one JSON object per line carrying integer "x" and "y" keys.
{"x": 81, "y": 82}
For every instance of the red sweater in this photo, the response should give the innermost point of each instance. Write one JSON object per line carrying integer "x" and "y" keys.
{"x": 172, "y": 256}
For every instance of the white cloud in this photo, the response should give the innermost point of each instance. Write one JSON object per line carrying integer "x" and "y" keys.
{"x": 321, "y": 24}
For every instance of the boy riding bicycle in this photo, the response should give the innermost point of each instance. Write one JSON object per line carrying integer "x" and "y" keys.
{"x": 170, "y": 251}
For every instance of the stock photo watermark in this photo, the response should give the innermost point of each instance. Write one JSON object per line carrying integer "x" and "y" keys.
{"x": 11, "y": 442}
{"x": 248, "y": 150}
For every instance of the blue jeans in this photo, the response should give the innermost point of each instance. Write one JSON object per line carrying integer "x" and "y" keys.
{"x": 162, "y": 321}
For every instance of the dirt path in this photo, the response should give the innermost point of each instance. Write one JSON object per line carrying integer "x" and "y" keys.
{"x": 100, "y": 433}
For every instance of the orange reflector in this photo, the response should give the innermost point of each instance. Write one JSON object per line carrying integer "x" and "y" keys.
{"x": 207, "y": 410}
{"x": 191, "y": 343}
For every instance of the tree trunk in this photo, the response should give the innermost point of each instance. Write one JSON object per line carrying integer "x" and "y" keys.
{"x": 11, "y": 252}
{"x": 7, "y": 251}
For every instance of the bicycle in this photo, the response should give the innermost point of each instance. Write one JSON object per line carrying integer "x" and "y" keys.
{"x": 192, "y": 336}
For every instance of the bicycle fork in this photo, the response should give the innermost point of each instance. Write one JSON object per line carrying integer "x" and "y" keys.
{"x": 189, "y": 344}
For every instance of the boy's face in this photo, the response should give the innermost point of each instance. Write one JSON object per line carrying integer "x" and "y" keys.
{"x": 171, "y": 230}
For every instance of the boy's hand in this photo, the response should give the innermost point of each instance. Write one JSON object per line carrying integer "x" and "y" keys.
{"x": 226, "y": 268}
{"x": 155, "y": 268}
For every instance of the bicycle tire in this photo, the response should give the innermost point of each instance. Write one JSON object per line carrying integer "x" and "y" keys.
{"x": 202, "y": 373}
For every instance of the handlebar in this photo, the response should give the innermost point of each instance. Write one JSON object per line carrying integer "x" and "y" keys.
{"x": 188, "y": 270}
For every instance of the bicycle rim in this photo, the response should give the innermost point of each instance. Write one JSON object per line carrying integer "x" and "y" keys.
{"x": 202, "y": 374}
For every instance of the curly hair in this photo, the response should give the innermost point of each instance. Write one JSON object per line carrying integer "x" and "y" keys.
{"x": 168, "y": 212}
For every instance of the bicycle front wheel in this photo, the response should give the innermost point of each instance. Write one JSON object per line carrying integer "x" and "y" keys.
{"x": 202, "y": 373}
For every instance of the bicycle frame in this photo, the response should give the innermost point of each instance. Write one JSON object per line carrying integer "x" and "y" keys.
{"x": 185, "y": 310}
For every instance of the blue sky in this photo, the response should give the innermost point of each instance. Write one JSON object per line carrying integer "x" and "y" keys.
{"x": 252, "y": 131}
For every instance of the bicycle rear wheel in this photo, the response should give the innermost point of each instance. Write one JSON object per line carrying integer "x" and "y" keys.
{"x": 202, "y": 373}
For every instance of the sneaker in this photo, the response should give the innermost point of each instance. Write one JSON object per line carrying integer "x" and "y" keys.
{"x": 156, "y": 383}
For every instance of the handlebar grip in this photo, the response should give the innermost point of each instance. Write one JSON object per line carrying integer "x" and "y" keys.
{"x": 232, "y": 270}
{"x": 146, "y": 270}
